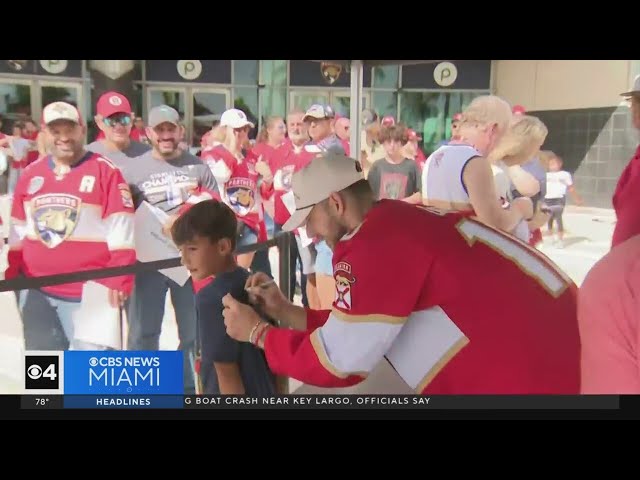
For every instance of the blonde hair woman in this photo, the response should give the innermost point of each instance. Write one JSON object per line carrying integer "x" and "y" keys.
{"x": 271, "y": 139}
{"x": 273, "y": 133}
{"x": 237, "y": 176}
{"x": 520, "y": 143}
{"x": 458, "y": 176}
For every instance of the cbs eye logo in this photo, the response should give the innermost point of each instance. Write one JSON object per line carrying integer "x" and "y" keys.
{"x": 41, "y": 372}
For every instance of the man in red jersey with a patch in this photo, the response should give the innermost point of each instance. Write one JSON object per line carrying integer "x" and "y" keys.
{"x": 283, "y": 165}
{"x": 430, "y": 308}
{"x": 627, "y": 194}
{"x": 72, "y": 210}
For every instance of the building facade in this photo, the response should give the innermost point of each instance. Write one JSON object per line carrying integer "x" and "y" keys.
{"x": 589, "y": 123}
{"x": 424, "y": 96}
{"x": 578, "y": 100}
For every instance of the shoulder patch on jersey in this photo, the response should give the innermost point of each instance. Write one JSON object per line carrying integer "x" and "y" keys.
{"x": 125, "y": 194}
{"x": 35, "y": 184}
{"x": 55, "y": 217}
{"x": 344, "y": 279}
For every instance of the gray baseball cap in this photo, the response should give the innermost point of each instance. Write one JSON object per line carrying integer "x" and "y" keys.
{"x": 635, "y": 90}
{"x": 162, "y": 114}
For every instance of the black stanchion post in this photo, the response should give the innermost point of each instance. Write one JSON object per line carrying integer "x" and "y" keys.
{"x": 284, "y": 263}
{"x": 284, "y": 271}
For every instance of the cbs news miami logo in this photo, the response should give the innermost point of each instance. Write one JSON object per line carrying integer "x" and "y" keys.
{"x": 104, "y": 372}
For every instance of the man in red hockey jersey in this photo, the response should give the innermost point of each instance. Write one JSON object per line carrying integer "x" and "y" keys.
{"x": 72, "y": 211}
{"x": 627, "y": 193}
{"x": 440, "y": 308}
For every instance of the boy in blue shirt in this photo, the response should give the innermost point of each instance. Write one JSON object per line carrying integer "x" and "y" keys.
{"x": 206, "y": 237}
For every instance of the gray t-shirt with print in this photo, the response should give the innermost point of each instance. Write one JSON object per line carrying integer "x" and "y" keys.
{"x": 167, "y": 184}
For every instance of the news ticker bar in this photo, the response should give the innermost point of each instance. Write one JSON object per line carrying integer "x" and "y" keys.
{"x": 287, "y": 402}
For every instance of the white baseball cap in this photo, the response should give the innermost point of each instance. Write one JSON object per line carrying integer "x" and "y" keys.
{"x": 325, "y": 174}
{"x": 635, "y": 89}
{"x": 319, "y": 112}
{"x": 60, "y": 111}
{"x": 234, "y": 118}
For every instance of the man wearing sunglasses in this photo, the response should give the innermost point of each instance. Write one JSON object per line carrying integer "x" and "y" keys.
{"x": 114, "y": 118}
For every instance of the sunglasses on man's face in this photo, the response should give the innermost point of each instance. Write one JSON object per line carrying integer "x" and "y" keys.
{"x": 115, "y": 119}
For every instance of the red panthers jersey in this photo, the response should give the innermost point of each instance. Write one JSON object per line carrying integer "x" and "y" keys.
{"x": 457, "y": 307}
{"x": 284, "y": 163}
{"x": 238, "y": 182}
{"x": 67, "y": 221}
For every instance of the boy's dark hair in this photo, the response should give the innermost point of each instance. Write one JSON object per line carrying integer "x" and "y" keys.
{"x": 209, "y": 219}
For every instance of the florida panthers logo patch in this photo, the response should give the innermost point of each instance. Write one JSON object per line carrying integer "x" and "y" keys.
{"x": 344, "y": 279}
{"x": 241, "y": 200}
{"x": 330, "y": 72}
{"x": 55, "y": 217}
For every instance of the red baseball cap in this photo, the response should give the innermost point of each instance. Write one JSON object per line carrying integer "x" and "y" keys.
{"x": 412, "y": 135}
{"x": 518, "y": 110}
{"x": 111, "y": 103}
{"x": 388, "y": 121}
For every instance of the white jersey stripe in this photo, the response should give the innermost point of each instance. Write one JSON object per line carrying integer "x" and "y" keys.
{"x": 353, "y": 347}
{"x": 426, "y": 343}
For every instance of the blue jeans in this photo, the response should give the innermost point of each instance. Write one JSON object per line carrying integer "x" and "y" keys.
{"x": 324, "y": 259}
{"x": 146, "y": 311}
{"x": 48, "y": 323}
{"x": 14, "y": 175}
{"x": 260, "y": 262}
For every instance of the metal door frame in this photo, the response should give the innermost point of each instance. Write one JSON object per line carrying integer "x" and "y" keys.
{"x": 32, "y": 92}
{"x": 347, "y": 93}
{"x": 330, "y": 93}
{"x": 198, "y": 89}
{"x": 188, "y": 91}
{"x": 78, "y": 86}
{"x": 306, "y": 91}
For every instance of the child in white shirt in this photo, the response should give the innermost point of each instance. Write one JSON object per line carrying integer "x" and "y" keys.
{"x": 558, "y": 183}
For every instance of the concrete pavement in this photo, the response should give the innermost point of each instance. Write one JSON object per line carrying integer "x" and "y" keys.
{"x": 587, "y": 240}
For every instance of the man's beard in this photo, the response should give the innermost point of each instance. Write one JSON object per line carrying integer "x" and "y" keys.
{"x": 165, "y": 153}
{"x": 338, "y": 231}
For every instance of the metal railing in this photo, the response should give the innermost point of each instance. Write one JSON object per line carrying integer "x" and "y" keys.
{"x": 282, "y": 241}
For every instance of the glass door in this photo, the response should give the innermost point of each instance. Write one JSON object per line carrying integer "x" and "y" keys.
{"x": 15, "y": 102}
{"x": 341, "y": 102}
{"x": 207, "y": 106}
{"x": 61, "y": 92}
{"x": 69, "y": 92}
{"x": 173, "y": 97}
{"x": 303, "y": 99}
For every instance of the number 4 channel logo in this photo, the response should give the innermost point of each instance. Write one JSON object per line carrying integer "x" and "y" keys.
{"x": 43, "y": 371}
